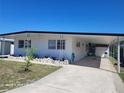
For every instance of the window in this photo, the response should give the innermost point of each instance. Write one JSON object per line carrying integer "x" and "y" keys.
{"x": 21, "y": 44}
{"x": 60, "y": 44}
{"x": 27, "y": 43}
{"x": 24, "y": 43}
{"x": 52, "y": 44}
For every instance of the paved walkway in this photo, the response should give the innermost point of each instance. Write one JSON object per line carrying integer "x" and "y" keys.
{"x": 76, "y": 79}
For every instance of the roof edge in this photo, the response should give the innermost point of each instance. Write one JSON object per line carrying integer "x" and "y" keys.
{"x": 72, "y": 33}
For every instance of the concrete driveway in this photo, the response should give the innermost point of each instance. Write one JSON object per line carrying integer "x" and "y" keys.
{"x": 90, "y": 62}
{"x": 76, "y": 79}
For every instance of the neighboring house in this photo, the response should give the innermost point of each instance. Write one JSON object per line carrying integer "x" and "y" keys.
{"x": 6, "y": 47}
{"x": 61, "y": 45}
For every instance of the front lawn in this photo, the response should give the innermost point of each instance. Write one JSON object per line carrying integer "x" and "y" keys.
{"x": 114, "y": 62}
{"x": 122, "y": 75}
{"x": 12, "y": 74}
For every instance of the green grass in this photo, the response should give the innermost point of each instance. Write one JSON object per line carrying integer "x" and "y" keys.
{"x": 12, "y": 74}
{"x": 122, "y": 75}
{"x": 114, "y": 62}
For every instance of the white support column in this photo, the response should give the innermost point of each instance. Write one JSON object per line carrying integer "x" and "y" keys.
{"x": 62, "y": 46}
{"x": 118, "y": 40}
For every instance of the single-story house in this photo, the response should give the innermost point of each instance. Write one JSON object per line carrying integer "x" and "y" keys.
{"x": 64, "y": 45}
{"x": 6, "y": 47}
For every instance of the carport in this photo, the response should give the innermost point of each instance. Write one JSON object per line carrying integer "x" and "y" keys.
{"x": 104, "y": 39}
{"x": 96, "y": 38}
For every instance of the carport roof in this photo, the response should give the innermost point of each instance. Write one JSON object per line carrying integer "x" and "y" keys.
{"x": 72, "y": 33}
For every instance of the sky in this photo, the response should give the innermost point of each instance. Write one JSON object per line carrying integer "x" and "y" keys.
{"x": 98, "y": 16}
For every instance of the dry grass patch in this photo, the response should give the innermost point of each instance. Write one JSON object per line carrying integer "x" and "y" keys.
{"x": 12, "y": 74}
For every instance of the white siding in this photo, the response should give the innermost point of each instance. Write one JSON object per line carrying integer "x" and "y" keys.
{"x": 79, "y": 52}
{"x": 41, "y": 45}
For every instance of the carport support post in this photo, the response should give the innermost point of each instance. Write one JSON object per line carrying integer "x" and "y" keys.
{"x": 118, "y": 42}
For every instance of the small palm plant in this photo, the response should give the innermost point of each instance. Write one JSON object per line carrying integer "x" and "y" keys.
{"x": 29, "y": 58}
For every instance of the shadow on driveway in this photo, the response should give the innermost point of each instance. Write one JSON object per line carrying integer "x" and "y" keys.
{"x": 90, "y": 61}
